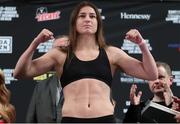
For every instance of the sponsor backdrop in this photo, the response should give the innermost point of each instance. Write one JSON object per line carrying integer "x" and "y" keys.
{"x": 158, "y": 22}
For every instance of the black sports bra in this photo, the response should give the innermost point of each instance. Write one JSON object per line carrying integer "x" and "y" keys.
{"x": 75, "y": 69}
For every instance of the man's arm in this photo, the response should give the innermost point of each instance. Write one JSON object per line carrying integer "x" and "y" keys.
{"x": 133, "y": 114}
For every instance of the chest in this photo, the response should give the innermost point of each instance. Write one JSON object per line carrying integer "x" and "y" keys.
{"x": 86, "y": 55}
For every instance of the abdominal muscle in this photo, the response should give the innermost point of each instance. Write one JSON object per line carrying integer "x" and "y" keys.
{"x": 87, "y": 98}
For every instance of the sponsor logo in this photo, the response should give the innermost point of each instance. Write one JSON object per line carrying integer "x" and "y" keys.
{"x": 127, "y": 103}
{"x": 124, "y": 78}
{"x": 133, "y": 48}
{"x": 8, "y": 73}
{"x": 176, "y": 75}
{"x": 8, "y": 13}
{"x": 102, "y": 16}
{"x": 43, "y": 15}
{"x": 5, "y": 44}
{"x": 46, "y": 46}
{"x": 174, "y": 45}
{"x": 124, "y": 15}
{"x": 174, "y": 16}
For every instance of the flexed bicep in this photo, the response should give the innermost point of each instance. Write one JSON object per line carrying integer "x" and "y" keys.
{"x": 41, "y": 65}
{"x": 26, "y": 66}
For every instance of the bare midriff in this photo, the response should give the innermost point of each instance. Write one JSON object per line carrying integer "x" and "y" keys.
{"x": 87, "y": 98}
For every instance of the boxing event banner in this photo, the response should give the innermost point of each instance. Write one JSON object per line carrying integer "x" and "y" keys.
{"x": 158, "y": 22}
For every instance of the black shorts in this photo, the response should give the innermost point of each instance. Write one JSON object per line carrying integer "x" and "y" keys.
{"x": 103, "y": 119}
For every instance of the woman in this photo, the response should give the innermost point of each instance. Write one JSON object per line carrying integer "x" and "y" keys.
{"x": 87, "y": 68}
{"x": 7, "y": 111}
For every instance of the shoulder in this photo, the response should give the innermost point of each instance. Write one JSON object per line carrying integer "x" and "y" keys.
{"x": 115, "y": 53}
{"x": 56, "y": 55}
{"x": 56, "y": 51}
{"x": 113, "y": 50}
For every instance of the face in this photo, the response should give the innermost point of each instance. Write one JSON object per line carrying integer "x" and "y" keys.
{"x": 157, "y": 86}
{"x": 86, "y": 21}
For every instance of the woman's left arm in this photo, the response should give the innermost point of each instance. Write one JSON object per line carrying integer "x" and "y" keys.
{"x": 145, "y": 69}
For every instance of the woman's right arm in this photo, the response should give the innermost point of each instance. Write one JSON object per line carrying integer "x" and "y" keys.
{"x": 26, "y": 67}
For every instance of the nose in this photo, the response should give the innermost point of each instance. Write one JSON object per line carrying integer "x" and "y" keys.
{"x": 156, "y": 81}
{"x": 87, "y": 18}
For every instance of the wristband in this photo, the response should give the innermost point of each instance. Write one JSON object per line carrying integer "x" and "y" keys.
{"x": 141, "y": 43}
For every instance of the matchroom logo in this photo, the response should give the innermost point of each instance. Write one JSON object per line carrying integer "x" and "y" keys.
{"x": 5, "y": 44}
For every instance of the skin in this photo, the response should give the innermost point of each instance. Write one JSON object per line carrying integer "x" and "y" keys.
{"x": 177, "y": 117}
{"x": 176, "y": 103}
{"x": 61, "y": 42}
{"x": 159, "y": 87}
{"x": 161, "y": 90}
{"x": 87, "y": 97}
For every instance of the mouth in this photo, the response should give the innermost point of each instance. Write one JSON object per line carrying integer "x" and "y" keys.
{"x": 158, "y": 86}
{"x": 87, "y": 26}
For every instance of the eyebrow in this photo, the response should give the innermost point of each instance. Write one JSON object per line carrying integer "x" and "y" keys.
{"x": 161, "y": 76}
{"x": 88, "y": 13}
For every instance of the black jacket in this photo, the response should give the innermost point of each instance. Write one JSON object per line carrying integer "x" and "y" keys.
{"x": 133, "y": 115}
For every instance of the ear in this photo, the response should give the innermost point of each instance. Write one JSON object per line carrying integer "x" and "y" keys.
{"x": 171, "y": 80}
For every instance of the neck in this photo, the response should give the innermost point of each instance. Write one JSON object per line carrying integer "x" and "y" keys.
{"x": 158, "y": 97}
{"x": 86, "y": 42}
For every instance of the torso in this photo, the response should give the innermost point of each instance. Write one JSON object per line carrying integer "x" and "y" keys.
{"x": 97, "y": 68}
{"x": 87, "y": 97}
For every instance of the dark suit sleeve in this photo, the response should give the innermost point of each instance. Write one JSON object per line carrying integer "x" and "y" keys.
{"x": 133, "y": 114}
{"x": 31, "y": 113}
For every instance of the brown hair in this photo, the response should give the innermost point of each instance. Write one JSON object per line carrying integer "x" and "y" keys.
{"x": 5, "y": 94}
{"x": 7, "y": 111}
{"x": 166, "y": 67}
{"x": 73, "y": 33}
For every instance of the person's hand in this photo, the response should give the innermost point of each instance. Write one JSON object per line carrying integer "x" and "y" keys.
{"x": 135, "y": 99}
{"x": 176, "y": 103}
{"x": 134, "y": 36}
{"x": 167, "y": 94}
{"x": 44, "y": 36}
{"x": 177, "y": 117}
